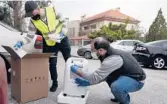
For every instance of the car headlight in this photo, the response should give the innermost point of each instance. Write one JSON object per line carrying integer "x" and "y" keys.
{"x": 141, "y": 49}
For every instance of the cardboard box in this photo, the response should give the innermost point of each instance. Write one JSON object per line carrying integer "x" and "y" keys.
{"x": 29, "y": 76}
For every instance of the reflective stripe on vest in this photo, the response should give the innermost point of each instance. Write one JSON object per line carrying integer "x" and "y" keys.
{"x": 53, "y": 25}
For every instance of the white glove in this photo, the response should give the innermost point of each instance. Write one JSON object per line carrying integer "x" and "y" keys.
{"x": 56, "y": 37}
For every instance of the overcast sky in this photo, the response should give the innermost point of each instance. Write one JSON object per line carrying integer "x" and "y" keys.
{"x": 143, "y": 10}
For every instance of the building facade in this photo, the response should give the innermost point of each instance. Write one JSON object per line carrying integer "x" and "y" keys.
{"x": 73, "y": 28}
{"x": 79, "y": 29}
{"x": 73, "y": 33}
{"x": 95, "y": 22}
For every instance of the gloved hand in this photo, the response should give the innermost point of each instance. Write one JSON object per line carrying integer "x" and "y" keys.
{"x": 74, "y": 68}
{"x": 82, "y": 82}
{"x": 62, "y": 36}
{"x": 56, "y": 37}
{"x": 18, "y": 45}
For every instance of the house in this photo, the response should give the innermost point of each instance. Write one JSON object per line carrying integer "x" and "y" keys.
{"x": 73, "y": 33}
{"x": 78, "y": 30}
{"x": 73, "y": 28}
{"x": 113, "y": 16}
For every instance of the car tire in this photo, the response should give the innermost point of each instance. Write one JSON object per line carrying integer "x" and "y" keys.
{"x": 158, "y": 62}
{"x": 87, "y": 55}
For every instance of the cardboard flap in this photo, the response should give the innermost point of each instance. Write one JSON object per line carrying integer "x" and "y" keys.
{"x": 20, "y": 53}
{"x": 38, "y": 55}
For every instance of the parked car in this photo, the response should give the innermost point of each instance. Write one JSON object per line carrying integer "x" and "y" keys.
{"x": 125, "y": 45}
{"x": 152, "y": 54}
{"x": 85, "y": 51}
{"x": 9, "y": 36}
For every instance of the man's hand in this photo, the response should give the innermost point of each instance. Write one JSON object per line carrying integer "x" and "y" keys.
{"x": 82, "y": 82}
{"x": 56, "y": 37}
{"x": 74, "y": 69}
{"x": 18, "y": 45}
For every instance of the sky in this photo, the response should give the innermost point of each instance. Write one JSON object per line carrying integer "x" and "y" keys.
{"x": 143, "y": 10}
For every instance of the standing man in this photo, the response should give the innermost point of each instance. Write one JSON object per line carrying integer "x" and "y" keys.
{"x": 119, "y": 69}
{"x": 52, "y": 28}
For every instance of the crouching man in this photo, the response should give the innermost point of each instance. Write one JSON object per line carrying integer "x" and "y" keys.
{"x": 119, "y": 69}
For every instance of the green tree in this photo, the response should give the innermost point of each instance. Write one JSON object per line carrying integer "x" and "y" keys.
{"x": 113, "y": 32}
{"x": 12, "y": 12}
{"x": 17, "y": 14}
{"x": 5, "y": 15}
{"x": 158, "y": 29}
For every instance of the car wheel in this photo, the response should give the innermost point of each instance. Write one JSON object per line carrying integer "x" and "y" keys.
{"x": 87, "y": 55}
{"x": 158, "y": 62}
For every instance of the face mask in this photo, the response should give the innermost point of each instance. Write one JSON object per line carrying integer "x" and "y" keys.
{"x": 94, "y": 55}
{"x": 36, "y": 17}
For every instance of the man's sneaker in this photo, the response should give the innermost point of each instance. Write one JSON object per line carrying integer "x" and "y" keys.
{"x": 53, "y": 88}
{"x": 114, "y": 100}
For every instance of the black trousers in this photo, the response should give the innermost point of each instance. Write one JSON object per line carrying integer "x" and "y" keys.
{"x": 65, "y": 49}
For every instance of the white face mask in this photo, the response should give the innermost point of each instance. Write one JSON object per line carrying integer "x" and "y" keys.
{"x": 94, "y": 55}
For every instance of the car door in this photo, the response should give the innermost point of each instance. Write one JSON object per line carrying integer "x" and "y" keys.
{"x": 127, "y": 46}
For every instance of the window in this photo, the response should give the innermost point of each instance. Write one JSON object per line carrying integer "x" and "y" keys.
{"x": 137, "y": 42}
{"x": 71, "y": 31}
{"x": 86, "y": 27}
{"x": 7, "y": 27}
{"x": 127, "y": 43}
{"x": 133, "y": 27}
{"x": 93, "y": 26}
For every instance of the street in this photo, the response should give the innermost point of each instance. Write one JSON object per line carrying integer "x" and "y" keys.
{"x": 154, "y": 91}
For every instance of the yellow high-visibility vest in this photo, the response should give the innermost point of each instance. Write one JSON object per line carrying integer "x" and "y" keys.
{"x": 52, "y": 26}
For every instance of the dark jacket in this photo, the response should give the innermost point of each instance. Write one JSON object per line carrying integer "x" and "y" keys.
{"x": 130, "y": 67}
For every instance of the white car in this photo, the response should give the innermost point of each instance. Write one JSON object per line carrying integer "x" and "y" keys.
{"x": 10, "y": 36}
{"x": 125, "y": 45}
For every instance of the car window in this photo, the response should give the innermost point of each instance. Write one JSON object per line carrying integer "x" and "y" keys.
{"x": 7, "y": 27}
{"x": 127, "y": 43}
{"x": 137, "y": 42}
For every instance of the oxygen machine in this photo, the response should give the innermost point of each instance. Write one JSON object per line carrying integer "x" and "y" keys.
{"x": 72, "y": 93}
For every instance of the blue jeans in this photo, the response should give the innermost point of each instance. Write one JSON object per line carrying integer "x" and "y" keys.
{"x": 122, "y": 86}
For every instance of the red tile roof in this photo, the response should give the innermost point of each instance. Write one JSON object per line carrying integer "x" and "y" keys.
{"x": 112, "y": 14}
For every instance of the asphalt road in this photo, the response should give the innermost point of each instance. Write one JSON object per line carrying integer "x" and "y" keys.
{"x": 154, "y": 91}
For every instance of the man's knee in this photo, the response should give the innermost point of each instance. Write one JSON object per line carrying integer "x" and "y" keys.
{"x": 66, "y": 54}
{"x": 120, "y": 94}
{"x": 115, "y": 87}
{"x": 66, "y": 57}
